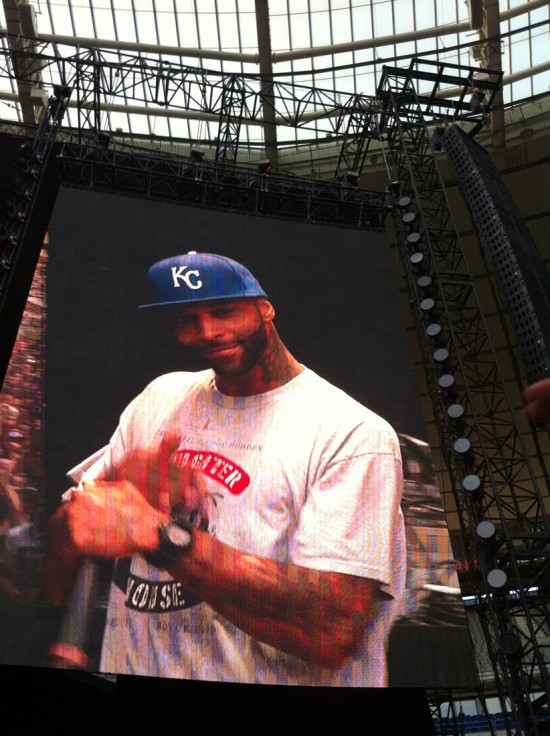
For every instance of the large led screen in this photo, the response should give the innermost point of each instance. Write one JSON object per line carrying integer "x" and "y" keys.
{"x": 313, "y": 545}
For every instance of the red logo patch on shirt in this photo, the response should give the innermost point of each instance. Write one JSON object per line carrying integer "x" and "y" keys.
{"x": 234, "y": 478}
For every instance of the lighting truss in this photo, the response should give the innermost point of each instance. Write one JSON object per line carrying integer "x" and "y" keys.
{"x": 105, "y": 81}
{"x": 217, "y": 185}
{"x": 490, "y": 465}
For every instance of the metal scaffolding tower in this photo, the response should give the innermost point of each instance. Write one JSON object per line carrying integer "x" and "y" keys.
{"x": 25, "y": 207}
{"x": 104, "y": 81}
{"x": 488, "y": 457}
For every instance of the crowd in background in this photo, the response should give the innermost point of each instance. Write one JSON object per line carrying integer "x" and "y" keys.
{"x": 22, "y": 449}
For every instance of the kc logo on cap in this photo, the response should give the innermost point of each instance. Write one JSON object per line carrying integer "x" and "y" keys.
{"x": 189, "y": 278}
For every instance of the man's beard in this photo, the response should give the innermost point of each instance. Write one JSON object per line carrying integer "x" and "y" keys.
{"x": 251, "y": 349}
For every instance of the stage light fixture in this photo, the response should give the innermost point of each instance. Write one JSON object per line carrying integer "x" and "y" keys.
{"x": 103, "y": 140}
{"x": 264, "y": 167}
{"x": 490, "y": 541}
{"x": 11, "y": 208}
{"x": 510, "y": 644}
{"x": 35, "y": 160}
{"x": 395, "y": 187}
{"x": 62, "y": 91}
{"x": 408, "y": 219}
{"x": 497, "y": 580}
{"x": 425, "y": 282}
{"x": 447, "y": 385}
{"x": 456, "y": 412}
{"x": 471, "y": 483}
{"x": 196, "y": 156}
{"x": 486, "y": 531}
{"x": 19, "y": 186}
{"x": 413, "y": 239}
{"x": 433, "y": 330}
{"x": 456, "y": 415}
{"x": 427, "y": 304}
{"x": 25, "y": 165}
{"x": 463, "y": 449}
{"x": 352, "y": 178}
{"x": 417, "y": 261}
{"x": 23, "y": 187}
{"x": 446, "y": 382}
{"x": 393, "y": 190}
{"x": 441, "y": 356}
{"x": 426, "y": 285}
{"x": 462, "y": 446}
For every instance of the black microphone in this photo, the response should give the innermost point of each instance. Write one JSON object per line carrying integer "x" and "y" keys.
{"x": 72, "y": 650}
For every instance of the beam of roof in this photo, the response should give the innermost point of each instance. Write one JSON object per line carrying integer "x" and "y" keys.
{"x": 20, "y": 28}
{"x": 140, "y": 47}
{"x": 266, "y": 74}
{"x": 179, "y": 51}
{"x": 394, "y": 39}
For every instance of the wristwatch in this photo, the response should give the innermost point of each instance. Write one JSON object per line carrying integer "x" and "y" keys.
{"x": 175, "y": 536}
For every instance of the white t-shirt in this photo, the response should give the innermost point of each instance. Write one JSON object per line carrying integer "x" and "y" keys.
{"x": 302, "y": 473}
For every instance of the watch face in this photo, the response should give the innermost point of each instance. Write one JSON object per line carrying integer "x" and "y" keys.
{"x": 177, "y": 536}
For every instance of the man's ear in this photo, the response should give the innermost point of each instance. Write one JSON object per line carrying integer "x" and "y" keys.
{"x": 267, "y": 312}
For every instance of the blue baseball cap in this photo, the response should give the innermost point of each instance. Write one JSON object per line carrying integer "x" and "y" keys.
{"x": 199, "y": 277}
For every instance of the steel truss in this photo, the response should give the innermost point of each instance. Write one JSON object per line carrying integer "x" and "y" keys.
{"x": 362, "y": 127}
{"x": 500, "y": 499}
{"x": 23, "y": 185}
{"x": 232, "y": 104}
{"x": 214, "y": 185}
{"x": 101, "y": 78}
{"x": 19, "y": 220}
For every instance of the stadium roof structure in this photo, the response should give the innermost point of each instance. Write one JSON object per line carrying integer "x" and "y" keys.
{"x": 164, "y": 68}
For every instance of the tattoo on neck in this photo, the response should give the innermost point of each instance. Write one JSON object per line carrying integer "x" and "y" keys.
{"x": 277, "y": 364}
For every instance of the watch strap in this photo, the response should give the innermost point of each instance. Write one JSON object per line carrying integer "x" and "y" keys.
{"x": 166, "y": 550}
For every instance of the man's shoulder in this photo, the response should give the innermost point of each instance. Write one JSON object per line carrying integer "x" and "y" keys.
{"x": 177, "y": 381}
{"x": 337, "y": 397}
{"x": 338, "y": 407}
{"x": 163, "y": 394}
